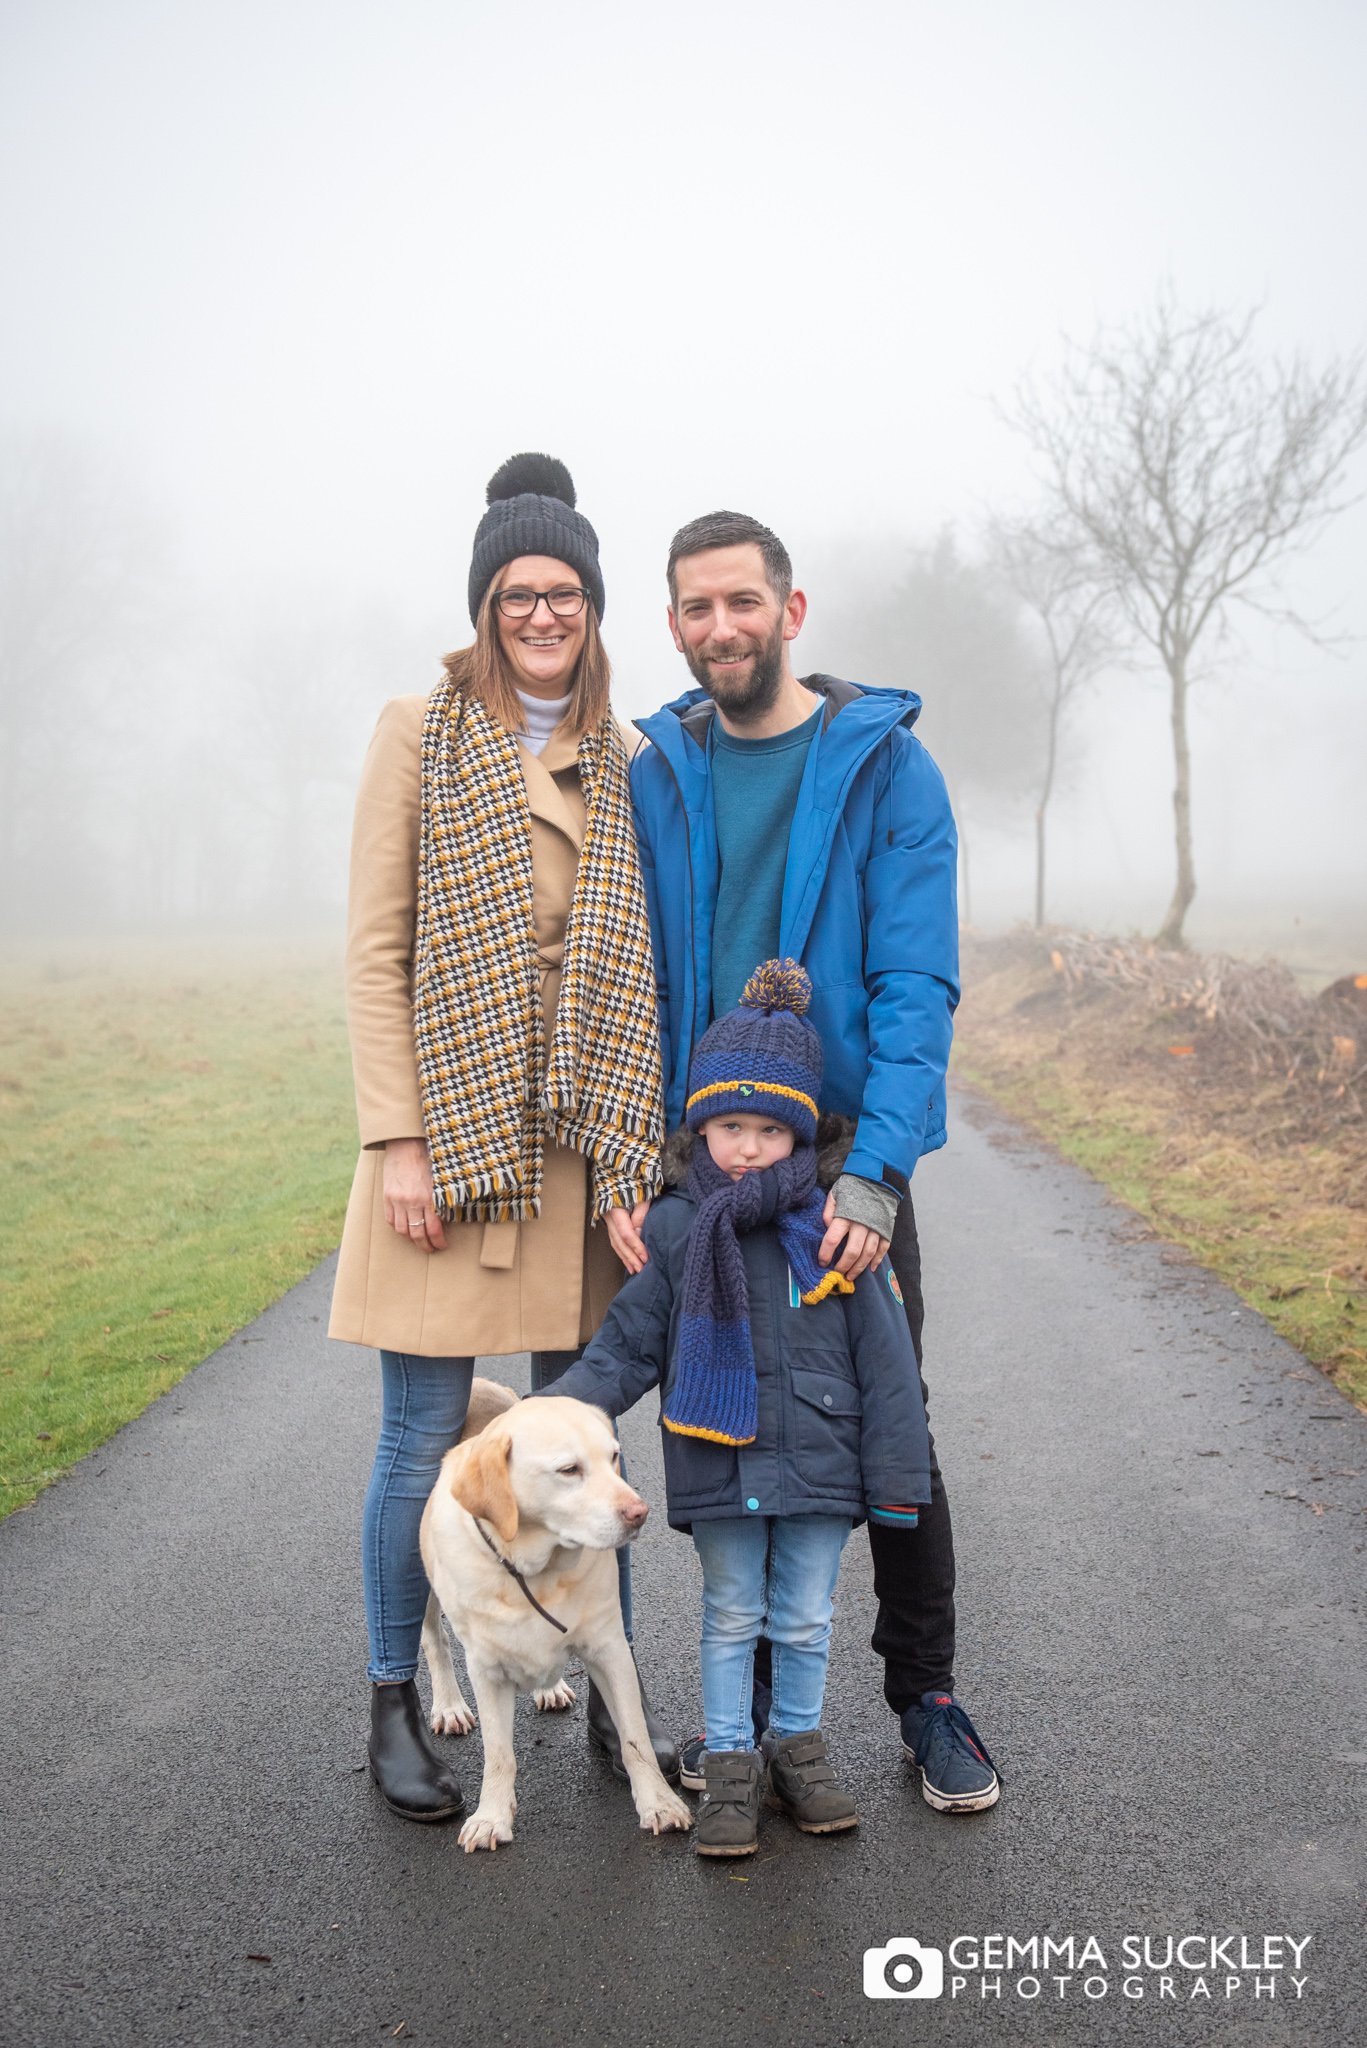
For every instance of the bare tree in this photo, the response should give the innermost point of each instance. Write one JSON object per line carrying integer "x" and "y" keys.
{"x": 1181, "y": 470}
{"x": 1079, "y": 641}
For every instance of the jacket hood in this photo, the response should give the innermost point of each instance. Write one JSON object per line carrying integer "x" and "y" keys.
{"x": 871, "y": 711}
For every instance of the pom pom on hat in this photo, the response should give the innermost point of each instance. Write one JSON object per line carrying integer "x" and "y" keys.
{"x": 778, "y": 985}
{"x": 543, "y": 474}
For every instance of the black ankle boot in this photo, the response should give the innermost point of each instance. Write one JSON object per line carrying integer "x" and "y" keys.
{"x": 412, "y": 1778}
{"x": 603, "y": 1732}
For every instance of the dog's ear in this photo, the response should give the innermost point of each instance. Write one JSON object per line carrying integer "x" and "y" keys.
{"x": 481, "y": 1483}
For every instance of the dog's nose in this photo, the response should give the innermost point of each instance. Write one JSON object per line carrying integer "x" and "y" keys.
{"x": 634, "y": 1512}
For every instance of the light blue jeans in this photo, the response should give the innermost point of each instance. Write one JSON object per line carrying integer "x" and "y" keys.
{"x": 422, "y": 1412}
{"x": 771, "y": 1575}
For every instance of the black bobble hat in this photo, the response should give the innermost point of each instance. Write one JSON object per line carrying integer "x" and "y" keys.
{"x": 531, "y": 512}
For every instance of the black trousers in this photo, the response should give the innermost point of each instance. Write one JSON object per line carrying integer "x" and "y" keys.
{"x": 913, "y": 1569}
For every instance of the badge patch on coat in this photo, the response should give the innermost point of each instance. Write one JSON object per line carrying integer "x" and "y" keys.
{"x": 893, "y": 1288}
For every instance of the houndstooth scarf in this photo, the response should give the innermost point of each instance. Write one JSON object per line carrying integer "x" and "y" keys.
{"x": 492, "y": 1091}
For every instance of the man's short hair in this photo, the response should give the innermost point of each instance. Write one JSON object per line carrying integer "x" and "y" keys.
{"x": 731, "y": 530}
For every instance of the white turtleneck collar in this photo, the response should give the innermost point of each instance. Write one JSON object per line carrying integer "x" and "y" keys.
{"x": 541, "y": 715}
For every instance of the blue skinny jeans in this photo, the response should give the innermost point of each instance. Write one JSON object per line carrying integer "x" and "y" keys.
{"x": 422, "y": 1413}
{"x": 772, "y": 1575}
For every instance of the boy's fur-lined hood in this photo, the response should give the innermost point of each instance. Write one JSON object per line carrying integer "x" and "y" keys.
{"x": 834, "y": 1137}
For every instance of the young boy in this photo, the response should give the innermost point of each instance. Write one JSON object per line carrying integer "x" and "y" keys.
{"x": 790, "y": 1402}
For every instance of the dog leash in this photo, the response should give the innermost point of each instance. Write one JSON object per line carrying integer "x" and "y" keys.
{"x": 514, "y": 1573}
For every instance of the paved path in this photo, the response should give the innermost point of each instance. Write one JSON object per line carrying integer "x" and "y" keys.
{"x": 1161, "y": 1530}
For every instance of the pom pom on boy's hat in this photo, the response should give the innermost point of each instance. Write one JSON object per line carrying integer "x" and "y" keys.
{"x": 531, "y": 512}
{"x": 762, "y": 1058}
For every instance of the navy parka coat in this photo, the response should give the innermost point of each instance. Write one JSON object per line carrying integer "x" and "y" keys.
{"x": 842, "y": 1425}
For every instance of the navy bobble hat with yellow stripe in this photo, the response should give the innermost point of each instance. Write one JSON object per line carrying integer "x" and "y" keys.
{"x": 762, "y": 1058}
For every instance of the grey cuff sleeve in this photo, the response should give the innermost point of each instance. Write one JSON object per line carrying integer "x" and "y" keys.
{"x": 863, "y": 1201}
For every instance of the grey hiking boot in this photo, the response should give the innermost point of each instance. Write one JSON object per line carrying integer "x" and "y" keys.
{"x": 802, "y": 1782}
{"x": 728, "y": 1818}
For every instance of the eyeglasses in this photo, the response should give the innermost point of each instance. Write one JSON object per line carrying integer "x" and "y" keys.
{"x": 566, "y": 601}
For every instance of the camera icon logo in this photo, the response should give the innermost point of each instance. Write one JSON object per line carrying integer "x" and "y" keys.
{"x": 904, "y": 1969}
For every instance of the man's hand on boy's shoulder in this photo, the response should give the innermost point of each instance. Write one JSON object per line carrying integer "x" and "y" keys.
{"x": 854, "y": 1211}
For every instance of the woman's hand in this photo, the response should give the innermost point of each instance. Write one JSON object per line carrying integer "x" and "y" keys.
{"x": 624, "y": 1235}
{"x": 863, "y": 1246}
{"x": 408, "y": 1205}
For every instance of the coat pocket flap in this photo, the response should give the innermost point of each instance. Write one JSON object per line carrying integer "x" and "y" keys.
{"x": 824, "y": 1391}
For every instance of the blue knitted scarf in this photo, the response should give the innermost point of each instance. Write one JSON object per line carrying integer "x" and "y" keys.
{"x": 715, "y": 1394}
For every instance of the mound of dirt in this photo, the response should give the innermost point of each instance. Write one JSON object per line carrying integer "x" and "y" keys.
{"x": 1236, "y": 1038}
{"x": 1210, "y": 1095}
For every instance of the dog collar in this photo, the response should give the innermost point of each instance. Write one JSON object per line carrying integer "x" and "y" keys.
{"x": 514, "y": 1573}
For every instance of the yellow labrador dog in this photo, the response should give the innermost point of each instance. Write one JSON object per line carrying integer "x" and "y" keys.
{"x": 517, "y": 1538}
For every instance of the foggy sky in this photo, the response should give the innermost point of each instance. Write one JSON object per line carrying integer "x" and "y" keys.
{"x": 308, "y": 273}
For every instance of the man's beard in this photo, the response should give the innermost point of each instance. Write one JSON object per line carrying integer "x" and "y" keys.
{"x": 744, "y": 697}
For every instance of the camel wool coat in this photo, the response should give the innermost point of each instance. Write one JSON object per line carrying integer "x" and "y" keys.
{"x": 498, "y": 1288}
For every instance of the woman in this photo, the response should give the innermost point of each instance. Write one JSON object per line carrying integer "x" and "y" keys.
{"x": 501, "y": 1004}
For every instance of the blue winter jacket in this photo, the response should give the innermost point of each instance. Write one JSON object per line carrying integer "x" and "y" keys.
{"x": 868, "y": 908}
{"x": 842, "y": 1425}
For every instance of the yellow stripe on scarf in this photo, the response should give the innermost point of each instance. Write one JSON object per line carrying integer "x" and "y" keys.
{"x": 831, "y": 1283}
{"x": 713, "y": 1436}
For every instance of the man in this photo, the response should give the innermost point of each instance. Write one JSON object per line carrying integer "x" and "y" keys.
{"x": 779, "y": 816}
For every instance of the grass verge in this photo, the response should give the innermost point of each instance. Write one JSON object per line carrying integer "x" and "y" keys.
{"x": 176, "y": 1145}
{"x": 1280, "y": 1220}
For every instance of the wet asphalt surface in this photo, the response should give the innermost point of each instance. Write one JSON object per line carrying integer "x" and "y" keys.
{"x": 1159, "y": 1513}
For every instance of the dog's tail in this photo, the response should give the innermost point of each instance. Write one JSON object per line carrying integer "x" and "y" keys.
{"x": 487, "y": 1399}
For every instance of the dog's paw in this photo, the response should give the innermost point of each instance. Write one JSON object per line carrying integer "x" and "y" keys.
{"x": 554, "y": 1700}
{"x": 486, "y": 1831}
{"x": 662, "y": 1810}
{"x": 454, "y": 1718}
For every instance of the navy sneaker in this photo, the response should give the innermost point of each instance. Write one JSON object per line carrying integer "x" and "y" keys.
{"x": 957, "y": 1774}
{"x": 692, "y": 1775}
